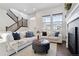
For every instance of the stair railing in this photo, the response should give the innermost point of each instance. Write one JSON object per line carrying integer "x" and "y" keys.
{"x": 12, "y": 15}
{"x": 14, "y": 27}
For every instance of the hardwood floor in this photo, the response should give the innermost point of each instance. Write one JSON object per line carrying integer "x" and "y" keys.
{"x": 62, "y": 50}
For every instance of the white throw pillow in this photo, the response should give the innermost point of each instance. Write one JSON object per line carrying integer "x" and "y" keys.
{"x": 7, "y": 36}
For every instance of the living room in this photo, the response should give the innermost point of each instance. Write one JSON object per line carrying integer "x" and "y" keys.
{"x": 36, "y": 29}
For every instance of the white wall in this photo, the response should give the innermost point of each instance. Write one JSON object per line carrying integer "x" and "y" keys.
{"x": 22, "y": 29}
{"x": 74, "y": 13}
{"x": 38, "y": 19}
{"x": 5, "y": 20}
{"x": 32, "y": 24}
{"x": 20, "y": 14}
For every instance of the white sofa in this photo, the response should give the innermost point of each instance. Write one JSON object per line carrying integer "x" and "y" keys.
{"x": 52, "y": 38}
{"x": 12, "y": 45}
{"x": 9, "y": 46}
{"x": 55, "y": 39}
{"x": 3, "y": 47}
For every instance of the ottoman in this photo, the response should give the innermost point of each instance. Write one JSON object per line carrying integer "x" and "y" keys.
{"x": 42, "y": 46}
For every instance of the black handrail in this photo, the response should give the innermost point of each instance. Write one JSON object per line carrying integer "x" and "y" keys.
{"x": 7, "y": 27}
{"x": 18, "y": 25}
{"x": 14, "y": 16}
{"x": 11, "y": 17}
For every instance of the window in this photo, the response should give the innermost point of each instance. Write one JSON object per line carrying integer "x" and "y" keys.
{"x": 46, "y": 22}
{"x": 46, "y": 19}
{"x": 57, "y": 17}
{"x": 57, "y": 22}
{"x": 54, "y": 20}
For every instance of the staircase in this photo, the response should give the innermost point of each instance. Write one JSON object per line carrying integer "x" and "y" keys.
{"x": 18, "y": 23}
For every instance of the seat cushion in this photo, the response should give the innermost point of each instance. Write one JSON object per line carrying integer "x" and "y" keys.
{"x": 23, "y": 41}
{"x": 13, "y": 44}
{"x": 30, "y": 39}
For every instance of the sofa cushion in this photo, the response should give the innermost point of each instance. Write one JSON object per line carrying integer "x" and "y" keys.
{"x": 7, "y": 36}
{"x": 57, "y": 34}
{"x": 16, "y": 36}
{"x": 29, "y": 34}
{"x": 44, "y": 33}
{"x": 22, "y": 35}
{"x": 23, "y": 41}
{"x": 14, "y": 44}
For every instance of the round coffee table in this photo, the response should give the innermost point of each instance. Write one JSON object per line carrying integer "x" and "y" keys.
{"x": 41, "y": 46}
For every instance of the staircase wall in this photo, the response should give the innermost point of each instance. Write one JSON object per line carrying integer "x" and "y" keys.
{"x": 22, "y": 29}
{"x": 4, "y": 20}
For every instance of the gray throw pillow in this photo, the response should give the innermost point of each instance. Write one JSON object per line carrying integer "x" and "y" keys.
{"x": 29, "y": 34}
{"x": 57, "y": 34}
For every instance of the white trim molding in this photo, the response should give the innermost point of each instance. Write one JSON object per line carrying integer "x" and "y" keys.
{"x": 72, "y": 16}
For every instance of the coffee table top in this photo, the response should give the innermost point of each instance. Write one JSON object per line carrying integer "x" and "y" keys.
{"x": 41, "y": 41}
{"x": 44, "y": 41}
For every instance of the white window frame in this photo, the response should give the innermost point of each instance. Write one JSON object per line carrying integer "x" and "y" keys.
{"x": 51, "y": 21}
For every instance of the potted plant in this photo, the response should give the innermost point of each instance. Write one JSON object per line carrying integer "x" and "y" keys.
{"x": 68, "y": 6}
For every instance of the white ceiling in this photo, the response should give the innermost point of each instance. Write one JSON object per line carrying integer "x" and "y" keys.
{"x": 29, "y": 7}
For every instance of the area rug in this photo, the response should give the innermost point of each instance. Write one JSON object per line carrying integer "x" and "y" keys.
{"x": 28, "y": 51}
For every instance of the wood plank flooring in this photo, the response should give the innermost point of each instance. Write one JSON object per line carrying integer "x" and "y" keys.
{"x": 62, "y": 50}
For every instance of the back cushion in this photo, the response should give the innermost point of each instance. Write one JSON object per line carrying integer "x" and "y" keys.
{"x": 7, "y": 36}
{"x": 16, "y": 36}
{"x": 29, "y": 34}
{"x": 22, "y": 35}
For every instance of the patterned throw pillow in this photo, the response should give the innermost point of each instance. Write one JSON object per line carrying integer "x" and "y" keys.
{"x": 16, "y": 36}
{"x": 44, "y": 33}
{"x": 57, "y": 34}
{"x": 29, "y": 34}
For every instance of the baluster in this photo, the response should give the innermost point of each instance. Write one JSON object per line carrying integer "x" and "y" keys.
{"x": 6, "y": 28}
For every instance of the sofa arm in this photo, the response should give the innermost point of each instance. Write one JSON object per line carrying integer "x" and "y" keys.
{"x": 13, "y": 45}
{"x": 60, "y": 38}
{"x": 3, "y": 48}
